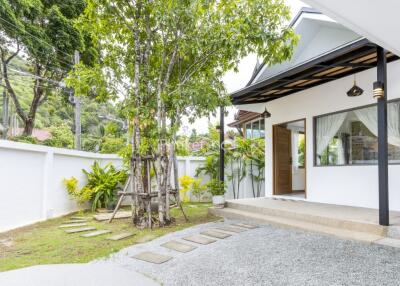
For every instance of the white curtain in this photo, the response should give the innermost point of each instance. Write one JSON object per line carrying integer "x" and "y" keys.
{"x": 369, "y": 117}
{"x": 341, "y": 160}
{"x": 394, "y": 124}
{"x": 327, "y": 127}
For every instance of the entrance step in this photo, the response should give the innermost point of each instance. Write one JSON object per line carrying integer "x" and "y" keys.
{"x": 262, "y": 218}
{"x": 341, "y": 217}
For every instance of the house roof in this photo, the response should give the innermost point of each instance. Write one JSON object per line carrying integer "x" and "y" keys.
{"x": 242, "y": 117}
{"x": 343, "y": 61}
{"x": 327, "y": 51}
{"x": 318, "y": 34}
{"x": 376, "y": 20}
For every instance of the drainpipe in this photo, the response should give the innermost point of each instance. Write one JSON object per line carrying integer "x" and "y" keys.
{"x": 382, "y": 137}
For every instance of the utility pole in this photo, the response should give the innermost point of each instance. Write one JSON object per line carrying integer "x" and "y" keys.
{"x": 5, "y": 115}
{"x": 77, "y": 104}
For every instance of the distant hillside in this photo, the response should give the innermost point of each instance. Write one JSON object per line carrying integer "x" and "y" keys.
{"x": 57, "y": 109}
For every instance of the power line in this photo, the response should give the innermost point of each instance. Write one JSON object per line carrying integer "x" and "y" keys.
{"x": 40, "y": 40}
{"x": 36, "y": 76}
{"x": 44, "y": 54}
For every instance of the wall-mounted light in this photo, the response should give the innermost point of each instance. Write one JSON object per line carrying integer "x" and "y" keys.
{"x": 266, "y": 114}
{"x": 379, "y": 89}
{"x": 355, "y": 90}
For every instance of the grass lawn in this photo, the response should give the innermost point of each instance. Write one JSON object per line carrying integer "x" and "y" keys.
{"x": 45, "y": 243}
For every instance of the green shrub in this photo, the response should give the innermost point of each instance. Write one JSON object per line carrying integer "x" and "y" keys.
{"x": 216, "y": 187}
{"x": 61, "y": 137}
{"x": 25, "y": 139}
{"x": 102, "y": 186}
{"x": 112, "y": 145}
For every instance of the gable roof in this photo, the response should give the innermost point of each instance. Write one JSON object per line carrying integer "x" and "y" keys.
{"x": 318, "y": 35}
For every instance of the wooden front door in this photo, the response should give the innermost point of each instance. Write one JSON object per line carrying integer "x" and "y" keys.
{"x": 282, "y": 161}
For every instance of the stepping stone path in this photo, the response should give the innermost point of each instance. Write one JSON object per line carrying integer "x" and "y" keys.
{"x": 199, "y": 239}
{"x": 231, "y": 228}
{"x": 96, "y": 233}
{"x": 245, "y": 225}
{"x": 82, "y": 229}
{"x": 121, "y": 236}
{"x": 107, "y": 216}
{"x": 75, "y": 221}
{"x": 72, "y": 225}
{"x": 215, "y": 234}
{"x": 77, "y": 217}
{"x": 152, "y": 257}
{"x": 178, "y": 246}
{"x": 146, "y": 238}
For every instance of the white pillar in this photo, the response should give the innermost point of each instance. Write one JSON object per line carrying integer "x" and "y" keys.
{"x": 47, "y": 183}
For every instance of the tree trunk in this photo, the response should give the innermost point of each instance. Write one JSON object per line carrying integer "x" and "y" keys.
{"x": 28, "y": 127}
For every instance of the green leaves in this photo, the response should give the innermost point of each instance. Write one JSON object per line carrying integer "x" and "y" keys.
{"x": 102, "y": 184}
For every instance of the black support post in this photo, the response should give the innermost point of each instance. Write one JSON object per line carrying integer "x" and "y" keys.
{"x": 221, "y": 145}
{"x": 383, "y": 141}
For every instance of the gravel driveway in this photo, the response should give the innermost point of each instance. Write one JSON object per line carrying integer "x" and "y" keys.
{"x": 267, "y": 256}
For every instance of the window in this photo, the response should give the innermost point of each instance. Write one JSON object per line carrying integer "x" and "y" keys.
{"x": 350, "y": 137}
{"x": 248, "y": 130}
{"x": 255, "y": 129}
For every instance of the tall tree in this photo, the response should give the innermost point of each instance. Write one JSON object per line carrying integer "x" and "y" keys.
{"x": 168, "y": 57}
{"x": 43, "y": 32}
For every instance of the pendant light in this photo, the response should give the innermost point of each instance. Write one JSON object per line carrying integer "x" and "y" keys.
{"x": 355, "y": 90}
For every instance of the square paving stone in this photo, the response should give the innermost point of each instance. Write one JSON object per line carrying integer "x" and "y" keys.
{"x": 179, "y": 246}
{"x": 72, "y": 225}
{"x": 245, "y": 225}
{"x": 96, "y": 233}
{"x": 77, "y": 217}
{"x": 75, "y": 221}
{"x": 232, "y": 229}
{"x": 118, "y": 215}
{"x": 121, "y": 236}
{"x": 82, "y": 229}
{"x": 152, "y": 257}
{"x": 215, "y": 233}
{"x": 199, "y": 239}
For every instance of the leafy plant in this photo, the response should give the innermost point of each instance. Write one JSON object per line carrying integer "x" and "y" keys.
{"x": 185, "y": 182}
{"x": 25, "y": 139}
{"x": 61, "y": 136}
{"x": 101, "y": 187}
{"x": 210, "y": 166}
{"x": 216, "y": 187}
{"x": 198, "y": 189}
{"x": 102, "y": 184}
{"x": 112, "y": 145}
{"x": 80, "y": 195}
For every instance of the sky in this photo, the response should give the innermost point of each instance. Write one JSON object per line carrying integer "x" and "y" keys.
{"x": 234, "y": 81}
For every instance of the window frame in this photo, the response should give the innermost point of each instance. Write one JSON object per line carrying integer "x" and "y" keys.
{"x": 314, "y": 120}
{"x": 250, "y": 122}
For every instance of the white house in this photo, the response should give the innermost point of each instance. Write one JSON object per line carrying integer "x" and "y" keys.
{"x": 313, "y": 101}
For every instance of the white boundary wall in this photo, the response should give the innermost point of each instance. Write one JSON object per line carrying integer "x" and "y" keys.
{"x": 347, "y": 185}
{"x": 31, "y": 180}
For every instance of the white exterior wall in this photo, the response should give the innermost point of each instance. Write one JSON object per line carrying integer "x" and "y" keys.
{"x": 31, "y": 180}
{"x": 348, "y": 185}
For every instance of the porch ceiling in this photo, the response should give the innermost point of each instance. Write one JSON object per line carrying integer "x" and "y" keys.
{"x": 346, "y": 60}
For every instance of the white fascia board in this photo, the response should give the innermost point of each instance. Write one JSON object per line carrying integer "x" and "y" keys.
{"x": 379, "y": 18}
{"x": 303, "y": 16}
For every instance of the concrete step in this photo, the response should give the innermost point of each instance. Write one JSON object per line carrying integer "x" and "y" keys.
{"x": 305, "y": 215}
{"x": 262, "y": 218}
